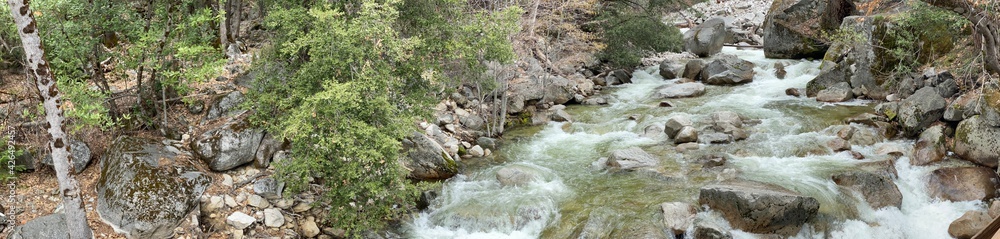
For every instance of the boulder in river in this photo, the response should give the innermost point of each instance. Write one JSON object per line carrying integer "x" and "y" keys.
{"x": 977, "y": 142}
{"x": 839, "y": 92}
{"x": 692, "y": 70}
{"x": 426, "y": 159}
{"x": 670, "y": 69}
{"x": 706, "y": 39}
{"x": 852, "y": 61}
{"x": 758, "y": 207}
{"x": 793, "y": 28}
{"x": 693, "y": 89}
{"x": 969, "y": 224}
{"x": 143, "y": 191}
{"x": 728, "y": 70}
{"x": 687, "y": 134}
{"x": 930, "y": 146}
{"x": 879, "y": 191}
{"x": 674, "y": 125}
{"x": 707, "y": 229}
{"x": 631, "y": 159}
{"x": 963, "y": 183}
{"x": 918, "y": 111}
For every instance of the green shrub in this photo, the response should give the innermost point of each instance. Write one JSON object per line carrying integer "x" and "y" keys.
{"x": 916, "y": 37}
{"x": 630, "y": 35}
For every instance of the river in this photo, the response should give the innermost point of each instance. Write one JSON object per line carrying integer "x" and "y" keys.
{"x": 575, "y": 198}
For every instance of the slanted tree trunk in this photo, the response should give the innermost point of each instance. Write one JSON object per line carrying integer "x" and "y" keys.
{"x": 986, "y": 23}
{"x": 76, "y": 218}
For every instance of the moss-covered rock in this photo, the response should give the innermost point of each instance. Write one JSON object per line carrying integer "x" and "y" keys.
{"x": 143, "y": 191}
{"x": 228, "y": 146}
{"x": 426, "y": 159}
{"x": 977, "y": 142}
{"x": 793, "y": 28}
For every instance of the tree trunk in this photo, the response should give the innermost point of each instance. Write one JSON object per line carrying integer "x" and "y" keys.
{"x": 76, "y": 218}
{"x": 986, "y": 23}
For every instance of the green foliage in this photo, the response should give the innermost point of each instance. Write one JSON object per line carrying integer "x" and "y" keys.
{"x": 345, "y": 81}
{"x": 5, "y": 156}
{"x": 917, "y": 36}
{"x": 630, "y": 34}
{"x": 9, "y": 43}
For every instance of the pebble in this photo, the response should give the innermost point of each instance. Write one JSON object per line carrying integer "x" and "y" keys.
{"x": 227, "y": 180}
{"x": 230, "y": 201}
{"x": 309, "y": 228}
{"x": 302, "y": 207}
{"x": 273, "y": 217}
{"x": 258, "y": 201}
{"x": 240, "y": 220}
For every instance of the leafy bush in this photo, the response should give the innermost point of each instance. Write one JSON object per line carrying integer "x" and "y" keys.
{"x": 344, "y": 81}
{"x": 630, "y": 35}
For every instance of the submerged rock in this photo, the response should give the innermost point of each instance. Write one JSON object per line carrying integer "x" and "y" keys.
{"x": 517, "y": 175}
{"x": 143, "y": 192}
{"x": 674, "y": 125}
{"x": 682, "y": 90}
{"x": 706, "y": 229}
{"x": 631, "y": 159}
{"x": 759, "y": 208}
{"x": 963, "y": 183}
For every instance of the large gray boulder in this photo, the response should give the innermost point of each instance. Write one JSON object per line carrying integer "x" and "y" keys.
{"x": 228, "y": 146}
{"x": 759, "y": 208}
{"x": 793, "y": 28}
{"x": 80, "y": 152}
{"x": 52, "y": 226}
{"x": 144, "y": 191}
{"x": 225, "y": 105}
{"x": 690, "y": 89}
{"x": 631, "y": 159}
{"x": 853, "y": 62}
{"x": 930, "y": 146}
{"x": 977, "y": 142}
{"x": 839, "y": 92}
{"x": 706, "y": 39}
{"x": 918, "y": 111}
{"x": 670, "y": 69}
{"x": 692, "y": 70}
{"x": 990, "y": 106}
{"x": 963, "y": 183}
{"x": 727, "y": 70}
{"x": 878, "y": 190}
{"x": 426, "y": 159}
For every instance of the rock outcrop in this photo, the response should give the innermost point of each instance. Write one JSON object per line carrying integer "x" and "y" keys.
{"x": 978, "y": 142}
{"x": 793, "y": 28}
{"x": 426, "y": 159}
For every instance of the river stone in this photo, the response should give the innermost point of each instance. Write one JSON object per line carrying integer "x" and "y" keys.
{"x": 653, "y": 132}
{"x": 687, "y": 134}
{"x": 618, "y": 77}
{"x": 977, "y": 142}
{"x": 517, "y": 175}
{"x": 477, "y": 151}
{"x": 918, "y": 111}
{"x": 52, "y": 226}
{"x": 969, "y": 224}
{"x": 963, "y": 183}
{"x": 706, "y": 39}
{"x": 853, "y": 62}
{"x": 269, "y": 188}
{"x": 487, "y": 142}
{"x": 674, "y": 125}
{"x": 930, "y": 146}
{"x": 727, "y": 70}
{"x": 759, "y": 208}
{"x": 692, "y": 70}
{"x": 557, "y": 90}
{"x": 560, "y": 115}
{"x": 426, "y": 159}
{"x": 473, "y": 122}
{"x": 715, "y": 138}
{"x": 670, "y": 69}
{"x": 879, "y": 191}
{"x": 706, "y": 229}
{"x": 792, "y": 28}
{"x": 81, "y": 156}
{"x": 962, "y": 107}
{"x": 597, "y": 225}
{"x": 143, "y": 191}
{"x": 726, "y": 121}
{"x": 839, "y": 92}
{"x": 693, "y": 89}
{"x": 678, "y": 216}
{"x": 838, "y": 144}
{"x": 631, "y": 159}
{"x": 225, "y": 105}
{"x": 228, "y": 146}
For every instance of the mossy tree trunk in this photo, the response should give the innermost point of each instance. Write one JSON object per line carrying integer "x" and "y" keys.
{"x": 76, "y": 219}
{"x": 986, "y": 20}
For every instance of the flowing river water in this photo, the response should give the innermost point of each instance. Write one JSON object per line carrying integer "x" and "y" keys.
{"x": 575, "y": 198}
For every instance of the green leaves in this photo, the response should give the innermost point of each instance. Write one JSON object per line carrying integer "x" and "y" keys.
{"x": 629, "y": 37}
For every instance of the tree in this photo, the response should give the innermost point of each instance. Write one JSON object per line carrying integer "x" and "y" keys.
{"x": 985, "y": 17}
{"x": 76, "y": 219}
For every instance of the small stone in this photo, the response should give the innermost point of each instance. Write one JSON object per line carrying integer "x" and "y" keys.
{"x": 687, "y": 146}
{"x": 666, "y": 104}
{"x": 273, "y": 217}
{"x": 227, "y": 180}
{"x": 466, "y": 144}
{"x": 302, "y": 207}
{"x": 231, "y": 202}
{"x": 309, "y": 228}
{"x": 258, "y": 201}
{"x": 214, "y": 204}
{"x": 477, "y": 151}
{"x": 857, "y": 155}
{"x": 284, "y": 203}
{"x": 240, "y": 220}
{"x": 838, "y": 144}
{"x": 268, "y": 188}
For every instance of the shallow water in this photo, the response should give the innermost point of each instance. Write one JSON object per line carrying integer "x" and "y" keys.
{"x": 782, "y": 150}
